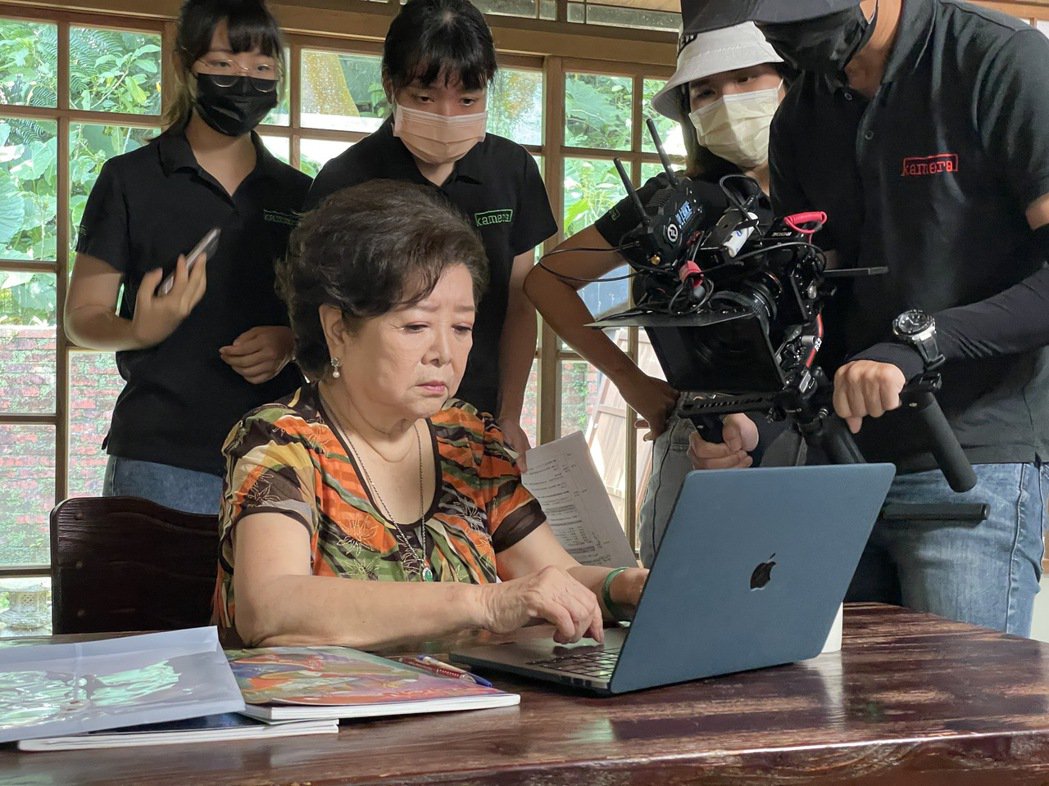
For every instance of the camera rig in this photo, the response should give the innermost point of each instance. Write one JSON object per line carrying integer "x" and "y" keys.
{"x": 732, "y": 304}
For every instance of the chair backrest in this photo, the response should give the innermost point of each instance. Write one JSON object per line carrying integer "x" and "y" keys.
{"x": 124, "y": 563}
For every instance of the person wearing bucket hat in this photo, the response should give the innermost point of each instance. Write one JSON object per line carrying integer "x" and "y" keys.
{"x": 724, "y": 92}
{"x": 923, "y": 132}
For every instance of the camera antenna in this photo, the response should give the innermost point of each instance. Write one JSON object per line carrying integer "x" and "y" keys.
{"x": 646, "y": 221}
{"x": 664, "y": 159}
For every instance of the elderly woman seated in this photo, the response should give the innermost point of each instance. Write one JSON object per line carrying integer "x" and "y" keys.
{"x": 371, "y": 508}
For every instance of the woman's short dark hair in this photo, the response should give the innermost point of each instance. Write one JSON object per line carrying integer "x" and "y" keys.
{"x": 366, "y": 250}
{"x": 250, "y": 25}
{"x": 429, "y": 39}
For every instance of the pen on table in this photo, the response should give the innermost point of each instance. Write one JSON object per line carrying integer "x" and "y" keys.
{"x": 431, "y": 664}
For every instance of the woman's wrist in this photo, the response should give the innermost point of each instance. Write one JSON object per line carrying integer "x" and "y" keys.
{"x": 621, "y": 591}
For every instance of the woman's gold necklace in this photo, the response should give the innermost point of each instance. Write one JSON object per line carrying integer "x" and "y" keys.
{"x": 416, "y": 563}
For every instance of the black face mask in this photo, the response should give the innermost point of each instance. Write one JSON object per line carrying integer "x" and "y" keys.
{"x": 824, "y": 45}
{"x": 235, "y": 106}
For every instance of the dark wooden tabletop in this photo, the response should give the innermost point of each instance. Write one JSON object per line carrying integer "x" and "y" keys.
{"x": 910, "y": 699}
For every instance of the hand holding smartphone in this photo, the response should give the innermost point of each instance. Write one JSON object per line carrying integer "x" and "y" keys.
{"x": 207, "y": 245}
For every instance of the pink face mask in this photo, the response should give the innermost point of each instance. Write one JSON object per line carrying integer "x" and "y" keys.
{"x": 437, "y": 139}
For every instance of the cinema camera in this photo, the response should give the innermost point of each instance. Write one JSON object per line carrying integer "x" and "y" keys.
{"x": 733, "y": 308}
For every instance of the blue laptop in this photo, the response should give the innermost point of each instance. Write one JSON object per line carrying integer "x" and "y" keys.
{"x": 750, "y": 573}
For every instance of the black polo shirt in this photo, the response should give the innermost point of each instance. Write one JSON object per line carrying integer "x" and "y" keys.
{"x": 497, "y": 186}
{"x": 146, "y": 208}
{"x": 932, "y": 179}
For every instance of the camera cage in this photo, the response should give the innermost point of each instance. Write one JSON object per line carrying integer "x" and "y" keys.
{"x": 733, "y": 308}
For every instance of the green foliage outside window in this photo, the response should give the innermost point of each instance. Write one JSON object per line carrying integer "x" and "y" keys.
{"x": 598, "y": 111}
{"x": 28, "y": 63}
{"x": 114, "y": 71}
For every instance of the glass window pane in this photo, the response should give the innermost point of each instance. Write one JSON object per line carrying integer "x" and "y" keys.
{"x": 280, "y": 146}
{"x": 28, "y": 188}
{"x": 342, "y": 91}
{"x": 91, "y": 145}
{"x": 114, "y": 70}
{"x": 27, "y": 342}
{"x": 669, "y": 130}
{"x": 28, "y": 63}
{"x": 592, "y": 187}
{"x": 591, "y": 404}
{"x": 650, "y": 169}
{"x": 27, "y": 493}
{"x": 315, "y": 153}
{"x": 25, "y": 607}
{"x": 280, "y": 115}
{"x": 94, "y": 384}
{"x": 632, "y": 17}
{"x": 524, "y": 8}
{"x": 1043, "y": 25}
{"x": 515, "y": 105}
{"x": 598, "y": 111}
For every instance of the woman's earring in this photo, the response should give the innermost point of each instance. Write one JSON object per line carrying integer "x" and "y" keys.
{"x": 335, "y": 363}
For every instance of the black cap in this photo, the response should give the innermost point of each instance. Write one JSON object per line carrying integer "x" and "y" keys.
{"x": 699, "y": 16}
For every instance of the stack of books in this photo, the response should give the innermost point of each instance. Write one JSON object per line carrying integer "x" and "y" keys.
{"x": 180, "y": 686}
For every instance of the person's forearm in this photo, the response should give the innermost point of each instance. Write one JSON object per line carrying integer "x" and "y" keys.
{"x": 564, "y": 310}
{"x": 1013, "y": 321}
{"x": 100, "y": 328}
{"x": 516, "y": 353}
{"x": 313, "y": 610}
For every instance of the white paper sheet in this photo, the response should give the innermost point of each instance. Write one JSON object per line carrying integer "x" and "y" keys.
{"x": 562, "y": 476}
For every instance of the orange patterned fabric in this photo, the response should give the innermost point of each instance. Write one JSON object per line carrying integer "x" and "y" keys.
{"x": 284, "y": 458}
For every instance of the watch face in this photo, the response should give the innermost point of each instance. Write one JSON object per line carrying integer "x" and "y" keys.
{"x": 910, "y": 322}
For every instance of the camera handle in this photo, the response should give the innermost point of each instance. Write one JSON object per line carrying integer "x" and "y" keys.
{"x": 918, "y": 396}
{"x": 806, "y": 407}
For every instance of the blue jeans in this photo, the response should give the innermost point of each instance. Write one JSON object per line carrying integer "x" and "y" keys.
{"x": 670, "y": 464}
{"x": 173, "y": 487}
{"x": 985, "y": 573}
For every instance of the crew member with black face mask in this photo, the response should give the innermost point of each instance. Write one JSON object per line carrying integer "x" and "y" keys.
{"x": 438, "y": 61}
{"x": 922, "y": 128}
{"x": 200, "y": 350}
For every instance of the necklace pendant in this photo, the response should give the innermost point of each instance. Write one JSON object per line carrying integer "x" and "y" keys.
{"x": 427, "y": 574}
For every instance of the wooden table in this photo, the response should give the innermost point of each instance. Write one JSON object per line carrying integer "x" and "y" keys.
{"x": 910, "y": 699}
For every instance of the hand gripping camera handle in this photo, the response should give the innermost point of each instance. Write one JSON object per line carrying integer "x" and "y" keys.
{"x": 943, "y": 442}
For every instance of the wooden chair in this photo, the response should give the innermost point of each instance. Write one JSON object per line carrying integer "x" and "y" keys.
{"x": 125, "y": 564}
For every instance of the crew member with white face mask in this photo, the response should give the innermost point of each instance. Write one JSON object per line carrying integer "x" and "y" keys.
{"x": 438, "y": 60}
{"x": 726, "y": 88}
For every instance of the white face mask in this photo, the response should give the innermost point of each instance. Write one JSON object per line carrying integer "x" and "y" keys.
{"x": 736, "y": 127}
{"x": 437, "y": 139}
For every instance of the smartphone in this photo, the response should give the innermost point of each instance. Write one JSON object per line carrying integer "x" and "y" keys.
{"x": 207, "y": 245}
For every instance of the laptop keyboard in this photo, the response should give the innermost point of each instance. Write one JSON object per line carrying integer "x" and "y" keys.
{"x": 590, "y": 663}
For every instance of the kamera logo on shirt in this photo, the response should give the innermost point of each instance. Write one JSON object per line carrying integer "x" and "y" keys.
{"x": 924, "y": 166}
{"x": 490, "y": 217}
{"x": 279, "y": 217}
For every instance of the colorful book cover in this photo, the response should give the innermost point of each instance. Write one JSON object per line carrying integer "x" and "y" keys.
{"x": 301, "y": 682}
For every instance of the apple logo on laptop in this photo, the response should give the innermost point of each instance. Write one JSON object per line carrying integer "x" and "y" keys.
{"x": 762, "y": 574}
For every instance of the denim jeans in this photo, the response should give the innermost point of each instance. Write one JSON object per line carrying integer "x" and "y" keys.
{"x": 985, "y": 573}
{"x": 670, "y": 464}
{"x": 173, "y": 487}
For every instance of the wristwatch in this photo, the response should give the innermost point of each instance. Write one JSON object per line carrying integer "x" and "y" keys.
{"x": 917, "y": 329}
